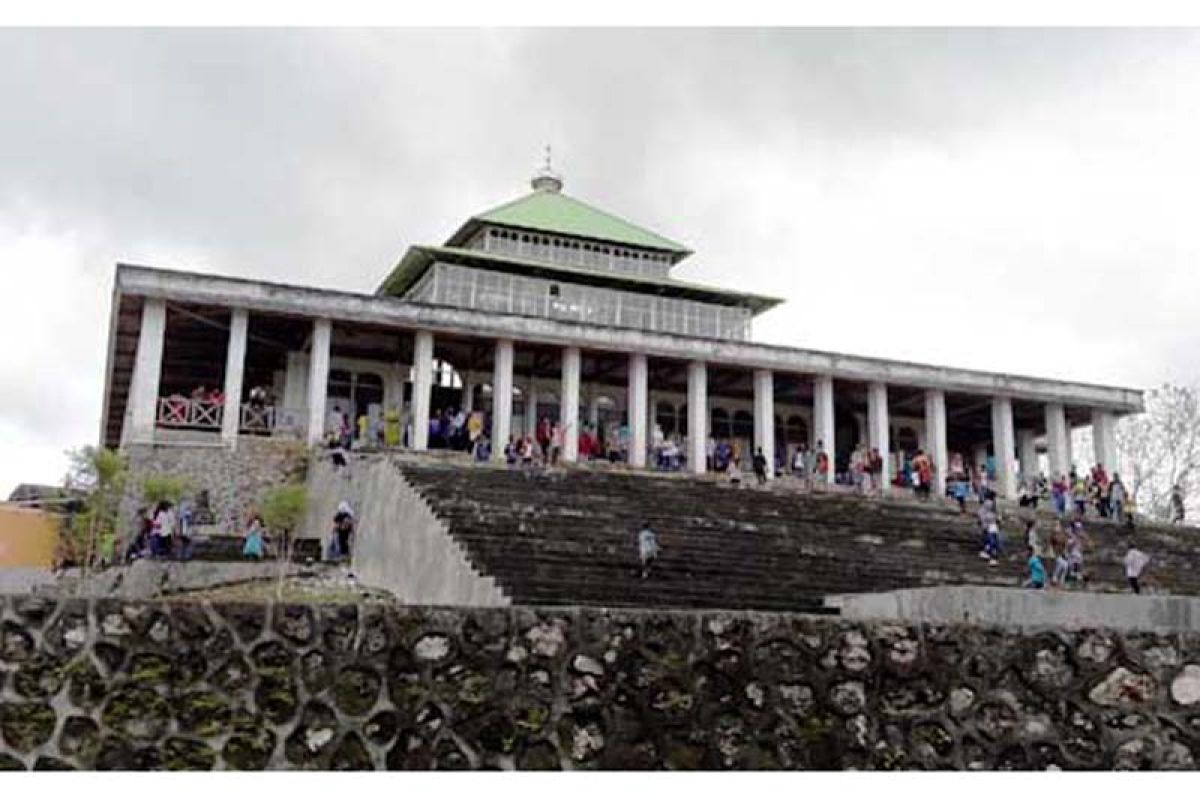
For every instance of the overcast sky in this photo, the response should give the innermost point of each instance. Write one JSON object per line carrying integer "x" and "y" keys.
{"x": 1019, "y": 200}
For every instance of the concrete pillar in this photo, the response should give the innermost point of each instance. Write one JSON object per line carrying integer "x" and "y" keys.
{"x": 143, "y": 397}
{"x": 764, "y": 416}
{"x": 823, "y": 425}
{"x": 318, "y": 379}
{"x": 1003, "y": 447}
{"x": 235, "y": 366}
{"x": 468, "y": 391}
{"x": 531, "y": 404}
{"x": 422, "y": 388}
{"x": 639, "y": 376}
{"x": 698, "y": 417}
{"x": 295, "y": 381}
{"x": 1104, "y": 439}
{"x": 935, "y": 438}
{"x": 393, "y": 388}
{"x": 877, "y": 429}
{"x": 1027, "y": 453}
{"x": 1058, "y": 440}
{"x": 568, "y": 399}
{"x": 502, "y": 392}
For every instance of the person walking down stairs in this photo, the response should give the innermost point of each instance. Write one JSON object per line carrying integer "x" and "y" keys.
{"x": 760, "y": 466}
{"x": 647, "y": 548}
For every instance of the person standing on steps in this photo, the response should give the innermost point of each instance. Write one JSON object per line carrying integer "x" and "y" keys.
{"x": 735, "y": 474}
{"x": 822, "y": 464}
{"x": 1037, "y": 571}
{"x": 989, "y": 520}
{"x": 1116, "y": 498}
{"x": 1177, "y": 509}
{"x": 1135, "y": 564}
{"x": 343, "y": 529}
{"x": 647, "y": 548}
{"x": 1062, "y": 564}
{"x": 760, "y": 466}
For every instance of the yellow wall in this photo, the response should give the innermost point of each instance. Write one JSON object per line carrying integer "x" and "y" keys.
{"x": 28, "y": 537}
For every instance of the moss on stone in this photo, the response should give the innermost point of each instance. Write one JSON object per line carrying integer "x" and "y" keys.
{"x": 11, "y": 763}
{"x": 202, "y": 713}
{"x": 40, "y": 677}
{"x": 112, "y": 657}
{"x": 80, "y": 738}
{"x": 114, "y": 754}
{"x": 351, "y": 755}
{"x": 16, "y": 644}
{"x": 187, "y": 754}
{"x": 356, "y": 689}
{"x": 26, "y": 726}
{"x": 150, "y": 669}
{"x": 249, "y": 749}
{"x": 52, "y": 764}
{"x": 137, "y": 711}
{"x": 539, "y": 755}
{"x": 85, "y": 686}
{"x": 277, "y": 697}
{"x": 272, "y": 655}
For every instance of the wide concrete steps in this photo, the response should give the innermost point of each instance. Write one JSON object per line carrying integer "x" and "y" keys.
{"x": 570, "y": 538}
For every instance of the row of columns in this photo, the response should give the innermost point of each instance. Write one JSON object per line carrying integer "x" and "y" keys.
{"x": 148, "y": 369}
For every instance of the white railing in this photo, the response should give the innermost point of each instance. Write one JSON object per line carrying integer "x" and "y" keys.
{"x": 183, "y": 412}
{"x": 273, "y": 419}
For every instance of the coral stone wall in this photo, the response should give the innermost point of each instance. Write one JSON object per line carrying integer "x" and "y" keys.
{"x": 110, "y": 685}
{"x": 234, "y": 479}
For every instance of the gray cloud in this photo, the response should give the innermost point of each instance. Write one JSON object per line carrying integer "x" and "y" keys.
{"x": 1015, "y": 200}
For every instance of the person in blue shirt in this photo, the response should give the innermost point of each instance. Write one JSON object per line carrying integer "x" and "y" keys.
{"x": 960, "y": 492}
{"x": 1037, "y": 571}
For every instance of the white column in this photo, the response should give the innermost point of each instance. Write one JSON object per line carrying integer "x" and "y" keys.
{"x": 1004, "y": 447}
{"x": 393, "y": 388}
{"x": 468, "y": 391}
{"x": 1027, "y": 453}
{"x": 1058, "y": 440}
{"x": 531, "y": 404}
{"x": 935, "y": 438}
{"x": 1104, "y": 439}
{"x": 568, "y": 403}
{"x": 295, "y": 381}
{"x": 764, "y": 416}
{"x": 422, "y": 388}
{"x": 877, "y": 429}
{"x": 823, "y": 425}
{"x": 147, "y": 372}
{"x": 639, "y": 375}
{"x": 235, "y": 366}
{"x": 318, "y": 379}
{"x": 502, "y": 392}
{"x": 698, "y": 417}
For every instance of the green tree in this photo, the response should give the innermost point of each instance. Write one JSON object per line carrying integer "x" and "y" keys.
{"x": 99, "y": 475}
{"x": 283, "y": 509}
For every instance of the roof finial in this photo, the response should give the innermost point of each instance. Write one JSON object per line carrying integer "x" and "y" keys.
{"x": 546, "y": 178}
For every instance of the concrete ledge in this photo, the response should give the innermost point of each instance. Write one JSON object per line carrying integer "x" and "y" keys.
{"x": 1025, "y": 609}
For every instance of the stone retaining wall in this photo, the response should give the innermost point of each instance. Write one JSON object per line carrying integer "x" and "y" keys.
{"x": 107, "y": 684}
{"x": 234, "y": 479}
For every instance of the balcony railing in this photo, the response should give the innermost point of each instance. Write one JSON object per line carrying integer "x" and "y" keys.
{"x": 205, "y": 415}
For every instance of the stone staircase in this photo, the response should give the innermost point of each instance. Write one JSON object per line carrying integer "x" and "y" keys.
{"x": 568, "y": 537}
{"x": 212, "y": 543}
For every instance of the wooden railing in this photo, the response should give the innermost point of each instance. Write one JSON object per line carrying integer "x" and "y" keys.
{"x": 184, "y": 412}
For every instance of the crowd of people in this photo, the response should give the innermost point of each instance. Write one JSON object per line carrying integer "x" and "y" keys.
{"x": 162, "y": 531}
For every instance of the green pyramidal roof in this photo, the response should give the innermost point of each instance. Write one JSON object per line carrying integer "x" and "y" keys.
{"x": 554, "y": 212}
